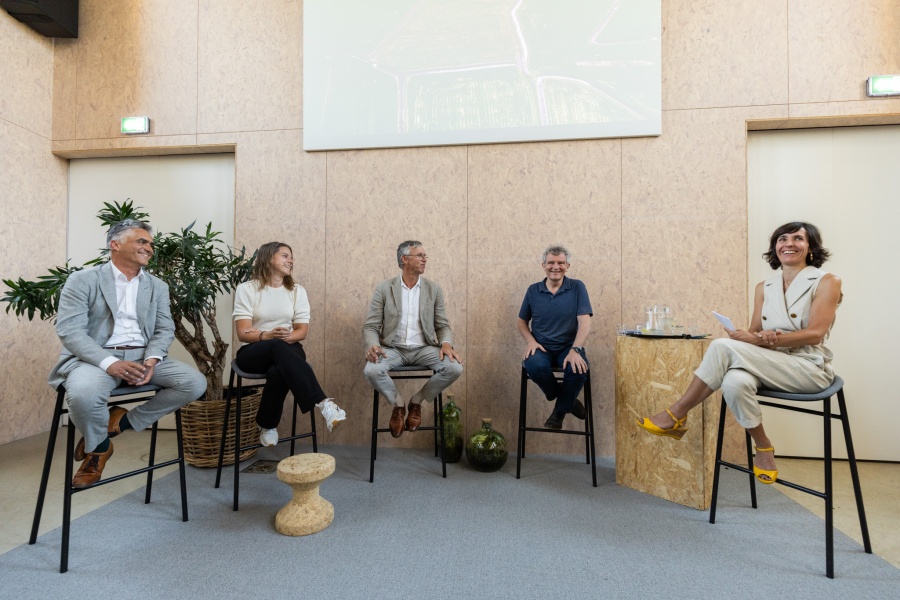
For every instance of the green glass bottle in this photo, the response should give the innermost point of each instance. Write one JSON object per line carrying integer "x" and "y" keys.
{"x": 453, "y": 441}
{"x": 486, "y": 450}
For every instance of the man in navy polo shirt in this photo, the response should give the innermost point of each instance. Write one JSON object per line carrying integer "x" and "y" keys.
{"x": 559, "y": 311}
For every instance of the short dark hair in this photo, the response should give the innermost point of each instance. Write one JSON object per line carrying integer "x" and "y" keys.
{"x": 818, "y": 253}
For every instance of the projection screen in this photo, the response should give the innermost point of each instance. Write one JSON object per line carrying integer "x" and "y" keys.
{"x": 397, "y": 73}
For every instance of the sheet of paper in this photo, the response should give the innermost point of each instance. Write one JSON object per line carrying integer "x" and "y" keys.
{"x": 725, "y": 321}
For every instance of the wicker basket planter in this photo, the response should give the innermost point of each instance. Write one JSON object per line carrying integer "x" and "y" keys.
{"x": 201, "y": 424}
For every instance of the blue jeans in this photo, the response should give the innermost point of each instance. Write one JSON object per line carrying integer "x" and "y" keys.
{"x": 539, "y": 366}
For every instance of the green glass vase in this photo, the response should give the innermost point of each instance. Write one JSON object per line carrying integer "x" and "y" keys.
{"x": 453, "y": 441}
{"x": 486, "y": 450}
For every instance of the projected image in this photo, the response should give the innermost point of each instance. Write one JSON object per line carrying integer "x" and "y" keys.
{"x": 433, "y": 72}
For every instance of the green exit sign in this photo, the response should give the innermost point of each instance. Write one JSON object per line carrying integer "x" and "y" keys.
{"x": 883, "y": 85}
{"x": 135, "y": 125}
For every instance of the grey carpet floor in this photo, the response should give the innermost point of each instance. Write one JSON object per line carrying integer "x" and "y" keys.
{"x": 412, "y": 534}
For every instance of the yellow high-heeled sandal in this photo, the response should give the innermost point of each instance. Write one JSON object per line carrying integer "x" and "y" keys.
{"x": 676, "y": 431}
{"x": 760, "y": 473}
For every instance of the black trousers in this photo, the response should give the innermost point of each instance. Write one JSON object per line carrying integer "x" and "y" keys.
{"x": 286, "y": 370}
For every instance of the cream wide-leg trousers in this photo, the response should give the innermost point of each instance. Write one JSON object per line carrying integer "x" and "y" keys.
{"x": 739, "y": 369}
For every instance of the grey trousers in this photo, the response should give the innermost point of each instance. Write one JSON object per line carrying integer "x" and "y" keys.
{"x": 445, "y": 372}
{"x": 88, "y": 388}
{"x": 739, "y": 369}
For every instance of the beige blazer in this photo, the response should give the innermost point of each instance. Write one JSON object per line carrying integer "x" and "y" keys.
{"x": 386, "y": 307}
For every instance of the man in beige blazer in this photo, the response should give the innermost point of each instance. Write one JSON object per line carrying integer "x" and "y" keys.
{"x": 407, "y": 325}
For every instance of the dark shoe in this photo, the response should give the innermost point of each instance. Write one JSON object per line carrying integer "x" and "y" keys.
{"x": 414, "y": 419}
{"x": 578, "y": 411}
{"x": 397, "y": 421}
{"x": 92, "y": 468}
{"x": 555, "y": 421}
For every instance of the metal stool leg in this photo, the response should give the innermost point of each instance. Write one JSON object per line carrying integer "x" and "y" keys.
{"x": 854, "y": 473}
{"x": 523, "y": 407}
{"x": 225, "y": 427}
{"x": 440, "y": 415}
{"x": 237, "y": 442}
{"x": 748, "y": 441}
{"x": 48, "y": 460}
{"x": 181, "y": 468}
{"x": 829, "y": 493}
{"x": 67, "y": 500}
{"x": 374, "y": 438}
{"x": 294, "y": 425}
{"x": 715, "y": 486}
{"x": 153, "y": 431}
{"x": 589, "y": 429}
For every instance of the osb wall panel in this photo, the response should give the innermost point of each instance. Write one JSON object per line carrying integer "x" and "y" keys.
{"x": 684, "y": 216}
{"x": 523, "y": 198}
{"x": 376, "y": 200}
{"x": 252, "y": 57}
{"x": 136, "y": 58}
{"x": 26, "y": 73}
{"x": 705, "y": 57}
{"x": 834, "y": 46}
{"x": 30, "y": 241}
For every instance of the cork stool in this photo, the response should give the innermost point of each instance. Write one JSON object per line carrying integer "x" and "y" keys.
{"x": 307, "y": 512}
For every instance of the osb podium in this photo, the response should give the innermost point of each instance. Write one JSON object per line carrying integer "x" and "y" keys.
{"x": 650, "y": 375}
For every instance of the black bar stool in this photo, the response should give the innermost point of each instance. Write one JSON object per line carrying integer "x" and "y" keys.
{"x": 837, "y": 387}
{"x": 237, "y": 392}
{"x": 411, "y": 372}
{"x": 588, "y": 433}
{"x": 142, "y": 392}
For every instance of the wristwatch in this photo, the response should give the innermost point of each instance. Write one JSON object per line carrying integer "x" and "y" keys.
{"x": 578, "y": 348}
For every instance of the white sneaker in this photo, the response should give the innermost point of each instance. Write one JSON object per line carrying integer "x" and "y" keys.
{"x": 332, "y": 413}
{"x": 268, "y": 437}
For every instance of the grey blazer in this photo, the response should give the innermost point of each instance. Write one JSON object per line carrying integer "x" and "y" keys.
{"x": 86, "y": 317}
{"x": 383, "y": 319}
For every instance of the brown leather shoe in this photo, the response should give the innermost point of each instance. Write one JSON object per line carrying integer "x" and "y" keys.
{"x": 397, "y": 421}
{"x": 92, "y": 468}
{"x": 112, "y": 429}
{"x": 115, "y": 415}
{"x": 414, "y": 419}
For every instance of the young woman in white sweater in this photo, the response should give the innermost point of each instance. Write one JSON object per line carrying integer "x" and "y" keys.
{"x": 271, "y": 315}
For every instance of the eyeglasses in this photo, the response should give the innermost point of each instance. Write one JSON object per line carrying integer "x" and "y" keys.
{"x": 419, "y": 256}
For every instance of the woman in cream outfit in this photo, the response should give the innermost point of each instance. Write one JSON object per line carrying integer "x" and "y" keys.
{"x": 271, "y": 316}
{"x": 783, "y": 348}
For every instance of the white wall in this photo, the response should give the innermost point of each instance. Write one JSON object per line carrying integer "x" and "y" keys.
{"x": 174, "y": 190}
{"x": 846, "y": 181}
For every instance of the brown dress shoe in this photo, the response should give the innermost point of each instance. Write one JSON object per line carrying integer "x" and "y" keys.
{"x": 112, "y": 429}
{"x": 414, "y": 419}
{"x": 115, "y": 415}
{"x": 397, "y": 421}
{"x": 92, "y": 468}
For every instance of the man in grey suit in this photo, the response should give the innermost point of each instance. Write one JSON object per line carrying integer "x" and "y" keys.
{"x": 407, "y": 325}
{"x": 116, "y": 328}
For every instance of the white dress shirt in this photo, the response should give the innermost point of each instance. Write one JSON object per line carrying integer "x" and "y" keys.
{"x": 409, "y": 333}
{"x": 127, "y": 329}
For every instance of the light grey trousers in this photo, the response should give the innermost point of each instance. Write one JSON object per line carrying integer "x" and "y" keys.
{"x": 445, "y": 372}
{"x": 739, "y": 369}
{"x": 88, "y": 388}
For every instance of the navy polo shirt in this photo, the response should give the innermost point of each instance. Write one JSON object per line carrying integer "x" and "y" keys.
{"x": 554, "y": 317}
